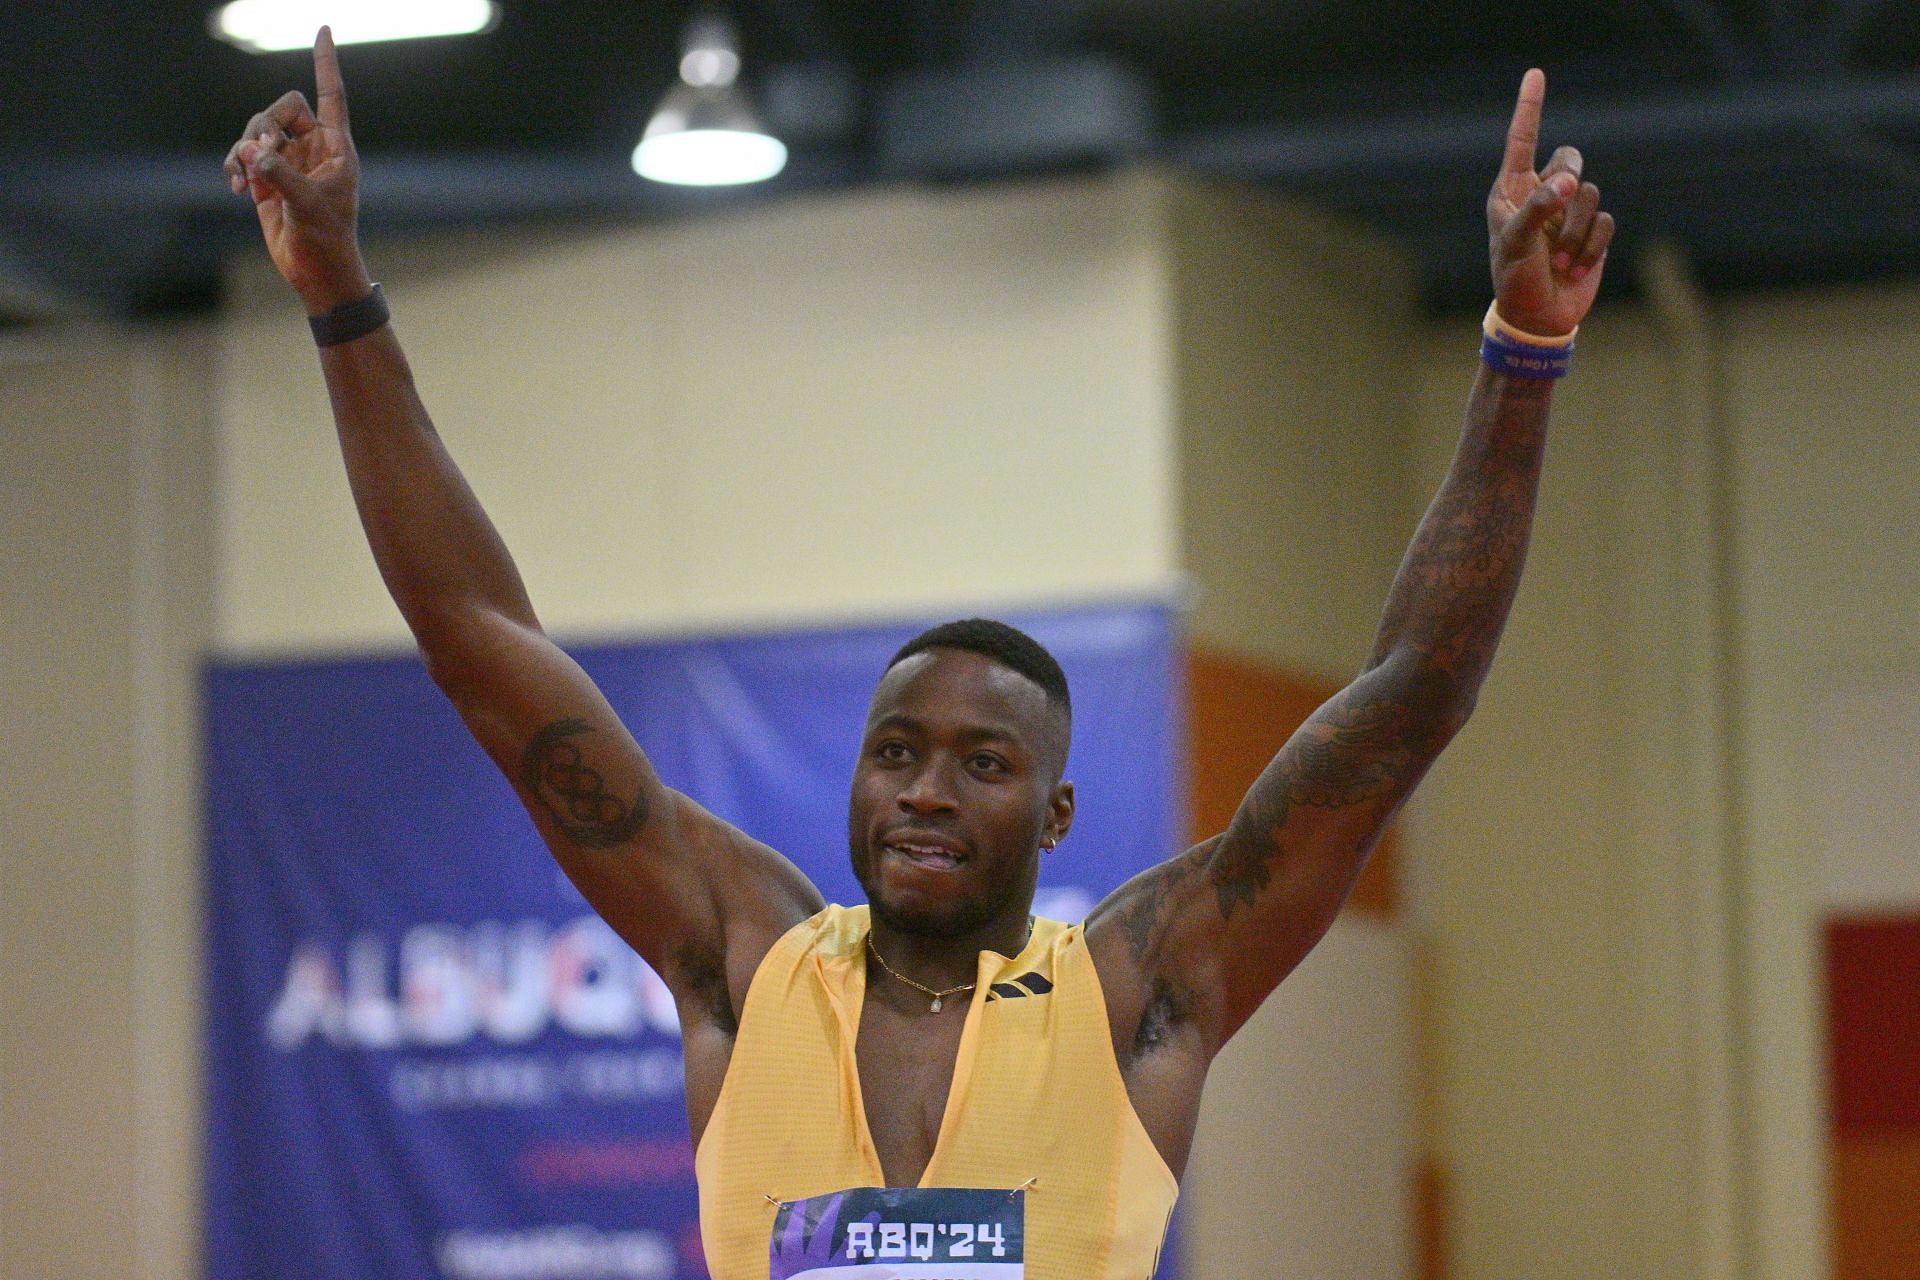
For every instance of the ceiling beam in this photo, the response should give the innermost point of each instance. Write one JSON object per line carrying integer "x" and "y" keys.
{"x": 1744, "y": 112}
{"x": 427, "y": 187}
{"x": 447, "y": 187}
{"x": 85, "y": 222}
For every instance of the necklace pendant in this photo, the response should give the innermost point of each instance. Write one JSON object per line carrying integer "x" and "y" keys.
{"x": 936, "y": 1005}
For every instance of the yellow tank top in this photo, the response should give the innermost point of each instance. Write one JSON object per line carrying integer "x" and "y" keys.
{"x": 1037, "y": 1107}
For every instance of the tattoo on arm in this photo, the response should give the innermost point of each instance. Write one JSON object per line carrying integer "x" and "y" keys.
{"x": 1168, "y": 1004}
{"x": 1156, "y": 899}
{"x": 1443, "y": 619}
{"x": 575, "y": 795}
{"x": 1353, "y": 753}
{"x": 1155, "y": 902}
{"x": 1450, "y": 599}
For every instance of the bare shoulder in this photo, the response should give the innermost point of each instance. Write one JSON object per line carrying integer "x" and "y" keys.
{"x": 1137, "y": 936}
{"x": 1161, "y": 1007}
{"x": 759, "y": 897}
{"x": 759, "y": 894}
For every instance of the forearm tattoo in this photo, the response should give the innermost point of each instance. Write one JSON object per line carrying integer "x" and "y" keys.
{"x": 1371, "y": 744}
{"x": 575, "y": 795}
{"x": 1451, "y": 596}
{"x": 1351, "y": 753}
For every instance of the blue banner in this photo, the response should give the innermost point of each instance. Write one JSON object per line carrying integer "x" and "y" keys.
{"x": 426, "y": 1056}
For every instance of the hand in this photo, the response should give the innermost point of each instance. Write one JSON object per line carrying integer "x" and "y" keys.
{"x": 1546, "y": 233}
{"x": 305, "y": 180}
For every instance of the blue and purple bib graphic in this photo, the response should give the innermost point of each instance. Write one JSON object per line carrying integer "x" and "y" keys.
{"x": 901, "y": 1233}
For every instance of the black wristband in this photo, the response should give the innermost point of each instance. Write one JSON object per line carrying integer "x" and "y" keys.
{"x": 351, "y": 320}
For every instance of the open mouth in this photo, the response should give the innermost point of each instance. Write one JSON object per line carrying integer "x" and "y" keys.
{"x": 935, "y": 856}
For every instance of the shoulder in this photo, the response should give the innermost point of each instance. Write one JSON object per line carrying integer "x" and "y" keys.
{"x": 1157, "y": 1000}
{"x": 1153, "y": 978}
{"x": 833, "y": 930}
{"x": 833, "y": 934}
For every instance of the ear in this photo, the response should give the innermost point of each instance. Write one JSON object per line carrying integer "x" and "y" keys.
{"x": 1059, "y": 815}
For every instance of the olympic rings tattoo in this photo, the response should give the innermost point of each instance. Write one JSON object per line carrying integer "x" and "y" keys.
{"x": 574, "y": 794}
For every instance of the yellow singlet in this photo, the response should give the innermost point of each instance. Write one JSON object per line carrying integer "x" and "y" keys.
{"x": 1037, "y": 1103}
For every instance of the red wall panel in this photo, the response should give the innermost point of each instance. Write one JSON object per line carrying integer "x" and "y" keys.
{"x": 1873, "y": 991}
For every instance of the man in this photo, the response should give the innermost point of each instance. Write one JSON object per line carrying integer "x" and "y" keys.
{"x": 938, "y": 1076}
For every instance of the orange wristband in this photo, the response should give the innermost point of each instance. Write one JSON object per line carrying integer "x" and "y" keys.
{"x": 1494, "y": 326}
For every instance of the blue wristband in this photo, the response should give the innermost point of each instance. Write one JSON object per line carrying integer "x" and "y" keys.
{"x": 1517, "y": 361}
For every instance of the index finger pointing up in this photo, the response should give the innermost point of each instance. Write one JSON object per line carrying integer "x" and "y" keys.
{"x": 1523, "y": 135}
{"x": 330, "y": 90}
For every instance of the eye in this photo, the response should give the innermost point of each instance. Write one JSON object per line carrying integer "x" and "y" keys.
{"x": 986, "y": 762}
{"x": 892, "y": 751}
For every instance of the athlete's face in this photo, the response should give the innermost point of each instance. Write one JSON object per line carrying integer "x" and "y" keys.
{"x": 957, "y": 786}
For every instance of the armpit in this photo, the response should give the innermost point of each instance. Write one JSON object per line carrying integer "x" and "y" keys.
{"x": 703, "y": 978}
{"x": 1168, "y": 1008}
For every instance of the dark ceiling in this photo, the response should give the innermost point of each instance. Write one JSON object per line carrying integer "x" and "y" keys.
{"x": 1777, "y": 142}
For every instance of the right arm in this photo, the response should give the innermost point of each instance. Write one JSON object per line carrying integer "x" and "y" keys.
{"x": 693, "y": 895}
{"x": 697, "y": 898}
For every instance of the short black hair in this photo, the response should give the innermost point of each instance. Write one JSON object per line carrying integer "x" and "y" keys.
{"x": 1009, "y": 646}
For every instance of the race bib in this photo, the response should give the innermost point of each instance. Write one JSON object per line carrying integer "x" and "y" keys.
{"x": 901, "y": 1233}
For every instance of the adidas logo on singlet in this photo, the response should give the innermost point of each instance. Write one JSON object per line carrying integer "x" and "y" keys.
{"x": 1027, "y": 984}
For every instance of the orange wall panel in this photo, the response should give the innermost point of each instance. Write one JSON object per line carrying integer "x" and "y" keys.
{"x": 1239, "y": 713}
{"x": 1876, "y": 1207}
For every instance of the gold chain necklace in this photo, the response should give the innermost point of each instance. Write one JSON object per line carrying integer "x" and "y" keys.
{"x": 939, "y": 997}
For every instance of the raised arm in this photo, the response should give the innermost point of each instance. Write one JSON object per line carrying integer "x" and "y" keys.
{"x": 698, "y": 899}
{"x": 1215, "y": 930}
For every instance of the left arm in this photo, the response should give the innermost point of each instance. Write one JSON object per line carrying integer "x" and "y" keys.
{"x": 1201, "y": 940}
{"x": 1245, "y": 911}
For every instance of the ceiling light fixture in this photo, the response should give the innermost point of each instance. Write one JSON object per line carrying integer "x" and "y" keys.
{"x": 705, "y": 132}
{"x": 268, "y": 26}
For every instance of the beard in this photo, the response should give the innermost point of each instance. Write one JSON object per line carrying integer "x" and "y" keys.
{"x": 954, "y": 920}
{"x": 1012, "y": 894}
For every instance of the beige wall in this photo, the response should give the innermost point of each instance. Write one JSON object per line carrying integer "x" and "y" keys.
{"x": 842, "y": 406}
{"x": 1292, "y": 457}
{"x": 105, "y": 471}
{"x": 1827, "y": 393}
{"x": 1862, "y": 735}
{"x": 1625, "y": 910}
{"x": 1564, "y": 865}
{"x": 1292, "y": 449}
